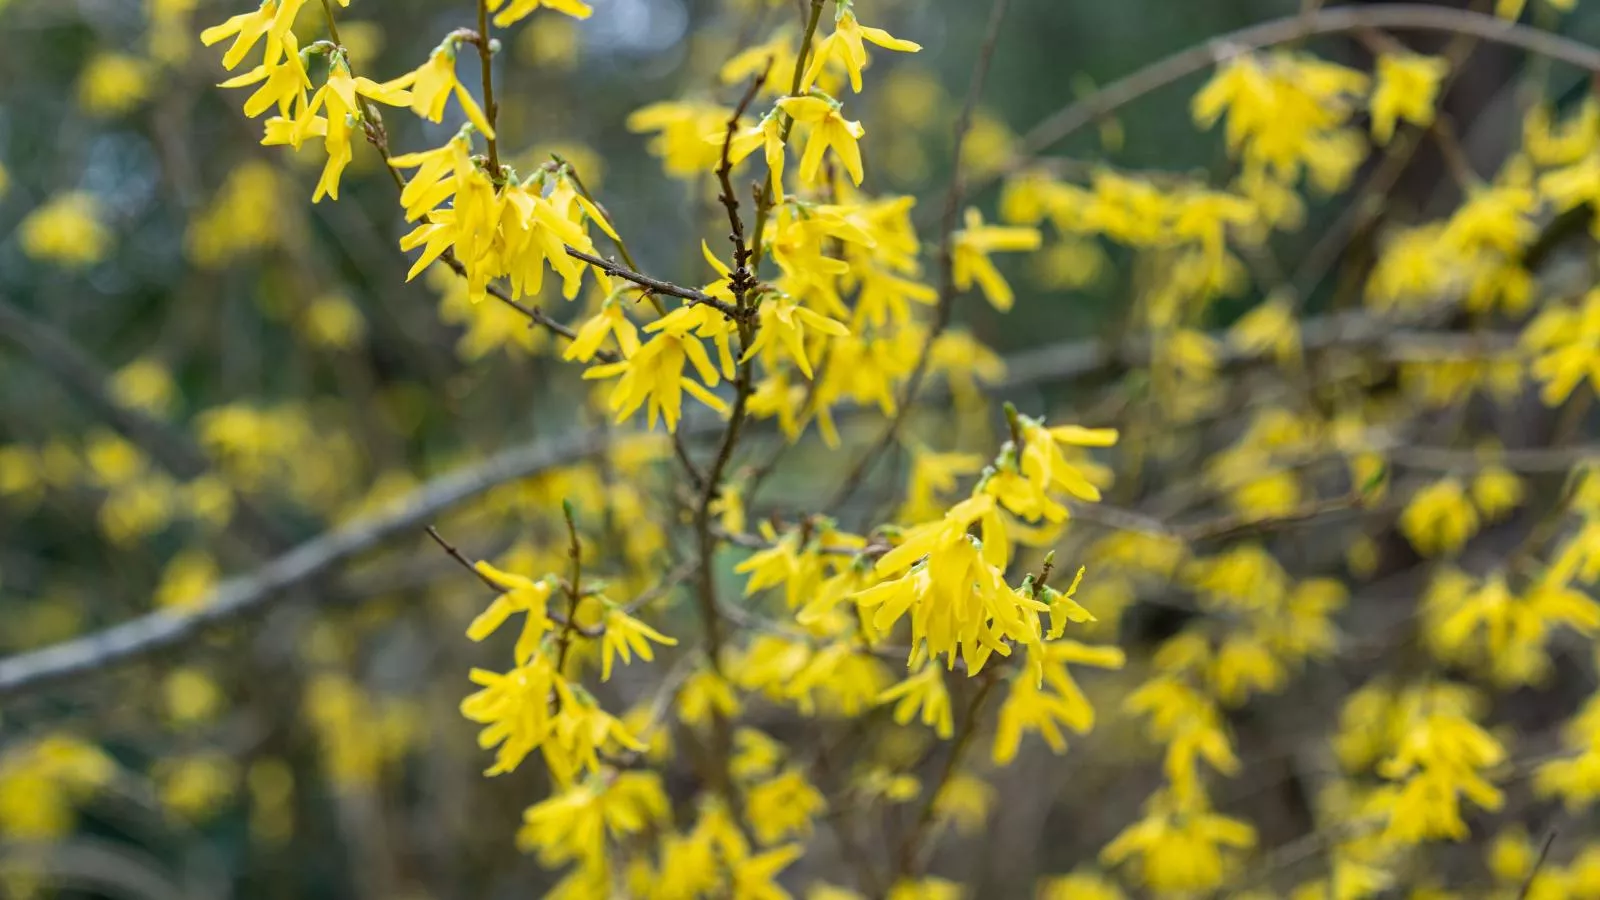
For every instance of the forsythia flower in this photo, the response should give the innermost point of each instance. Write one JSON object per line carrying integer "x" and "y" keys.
{"x": 1179, "y": 850}
{"x": 829, "y": 129}
{"x": 520, "y": 594}
{"x": 783, "y": 807}
{"x": 1439, "y": 519}
{"x": 845, "y": 47}
{"x": 970, "y": 261}
{"x": 517, "y": 10}
{"x": 655, "y": 374}
{"x": 67, "y": 230}
{"x": 624, "y": 636}
{"x": 1408, "y": 86}
{"x": 112, "y": 84}
{"x": 431, "y": 85}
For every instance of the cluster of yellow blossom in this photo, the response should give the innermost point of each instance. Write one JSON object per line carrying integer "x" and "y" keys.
{"x": 837, "y": 321}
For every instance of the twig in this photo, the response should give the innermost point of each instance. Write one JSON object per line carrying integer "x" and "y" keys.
{"x": 491, "y": 109}
{"x": 740, "y": 279}
{"x": 574, "y": 586}
{"x": 1538, "y": 863}
{"x": 616, "y": 237}
{"x": 461, "y": 558}
{"x": 612, "y": 267}
{"x": 947, "y": 289}
{"x": 740, "y": 282}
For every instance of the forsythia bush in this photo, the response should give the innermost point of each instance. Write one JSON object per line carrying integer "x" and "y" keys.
{"x": 1288, "y": 594}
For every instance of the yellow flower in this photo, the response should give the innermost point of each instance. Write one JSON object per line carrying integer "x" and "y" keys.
{"x": 1408, "y": 87}
{"x": 1439, "y": 519}
{"x": 690, "y": 134}
{"x": 517, "y": 10}
{"x": 753, "y": 878}
{"x": 625, "y": 635}
{"x": 1078, "y": 886}
{"x": 845, "y": 47}
{"x": 965, "y": 802}
{"x": 1043, "y": 462}
{"x": 611, "y": 320}
{"x": 186, "y": 581}
{"x": 1269, "y": 328}
{"x": 926, "y": 691}
{"x": 520, "y": 594}
{"x": 1287, "y": 112}
{"x": 67, "y": 230}
{"x": 705, "y": 694}
{"x": 195, "y": 787}
{"x": 191, "y": 696}
{"x": 574, "y": 823}
{"x": 1177, "y": 849}
{"x": 789, "y": 323}
{"x": 766, "y": 134}
{"x": 655, "y": 374}
{"x": 247, "y": 30}
{"x": 113, "y": 83}
{"x": 775, "y": 56}
{"x": 1566, "y": 345}
{"x": 783, "y": 807}
{"x": 431, "y": 85}
{"x": 145, "y": 384}
{"x": 1440, "y": 759}
{"x": 828, "y": 129}
{"x": 971, "y": 263}
{"x": 1496, "y": 491}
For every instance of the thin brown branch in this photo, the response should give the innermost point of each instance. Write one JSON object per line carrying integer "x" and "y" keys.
{"x": 1538, "y": 863}
{"x": 491, "y": 109}
{"x": 612, "y": 267}
{"x": 565, "y": 621}
{"x": 574, "y": 586}
{"x": 740, "y": 279}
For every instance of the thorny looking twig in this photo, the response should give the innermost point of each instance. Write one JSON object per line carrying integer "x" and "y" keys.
{"x": 1538, "y": 863}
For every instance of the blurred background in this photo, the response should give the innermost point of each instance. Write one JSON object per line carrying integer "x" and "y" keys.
{"x": 153, "y": 255}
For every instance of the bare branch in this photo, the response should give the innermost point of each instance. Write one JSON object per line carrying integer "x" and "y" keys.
{"x": 612, "y": 267}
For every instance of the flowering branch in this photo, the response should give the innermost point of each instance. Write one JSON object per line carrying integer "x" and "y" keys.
{"x": 491, "y": 109}
{"x": 1340, "y": 19}
{"x": 947, "y": 289}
